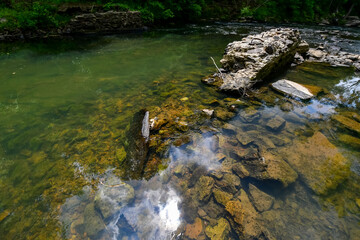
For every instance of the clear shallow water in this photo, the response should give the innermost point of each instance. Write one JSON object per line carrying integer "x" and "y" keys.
{"x": 66, "y": 107}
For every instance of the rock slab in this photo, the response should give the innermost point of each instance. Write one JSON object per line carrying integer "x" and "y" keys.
{"x": 318, "y": 162}
{"x": 292, "y": 88}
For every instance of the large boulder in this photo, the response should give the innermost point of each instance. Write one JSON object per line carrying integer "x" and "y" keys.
{"x": 255, "y": 58}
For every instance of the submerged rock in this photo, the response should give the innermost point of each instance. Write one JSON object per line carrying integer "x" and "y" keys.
{"x": 92, "y": 221}
{"x": 262, "y": 201}
{"x": 193, "y": 231}
{"x": 319, "y": 163}
{"x": 276, "y": 123}
{"x": 204, "y": 188}
{"x": 350, "y": 141}
{"x": 348, "y": 123}
{"x": 255, "y": 58}
{"x": 112, "y": 196}
{"x": 138, "y": 146}
{"x": 220, "y": 231}
{"x": 292, "y": 88}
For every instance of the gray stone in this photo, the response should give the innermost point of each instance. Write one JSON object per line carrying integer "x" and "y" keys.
{"x": 208, "y": 112}
{"x": 255, "y": 57}
{"x": 292, "y": 88}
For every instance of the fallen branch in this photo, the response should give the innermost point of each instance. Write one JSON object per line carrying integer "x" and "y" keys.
{"x": 221, "y": 76}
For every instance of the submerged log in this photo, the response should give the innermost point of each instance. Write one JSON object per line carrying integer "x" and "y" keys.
{"x": 137, "y": 147}
{"x": 255, "y": 58}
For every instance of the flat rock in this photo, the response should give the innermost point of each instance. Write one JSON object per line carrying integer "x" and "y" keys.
{"x": 262, "y": 201}
{"x": 276, "y": 123}
{"x": 318, "y": 162}
{"x": 292, "y": 88}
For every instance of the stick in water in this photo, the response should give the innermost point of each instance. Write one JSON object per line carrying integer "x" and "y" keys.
{"x": 221, "y": 76}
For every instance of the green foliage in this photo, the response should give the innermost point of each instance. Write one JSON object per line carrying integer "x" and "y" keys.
{"x": 30, "y": 14}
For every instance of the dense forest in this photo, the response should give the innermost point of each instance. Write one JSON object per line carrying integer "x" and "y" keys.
{"x": 28, "y": 14}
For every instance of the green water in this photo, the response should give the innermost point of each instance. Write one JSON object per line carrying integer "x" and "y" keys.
{"x": 66, "y": 106}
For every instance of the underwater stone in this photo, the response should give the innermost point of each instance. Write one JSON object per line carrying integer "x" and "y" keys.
{"x": 250, "y": 115}
{"x": 193, "y": 231}
{"x": 348, "y": 123}
{"x": 92, "y": 221}
{"x": 262, "y": 201}
{"x": 277, "y": 169}
{"x": 220, "y": 231}
{"x": 204, "y": 188}
{"x": 350, "y": 140}
{"x": 230, "y": 183}
{"x": 251, "y": 227}
{"x": 222, "y": 197}
{"x": 319, "y": 163}
{"x": 292, "y": 88}
{"x": 234, "y": 208}
{"x": 240, "y": 170}
{"x": 245, "y": 138}
{"x": 276, "y": 123}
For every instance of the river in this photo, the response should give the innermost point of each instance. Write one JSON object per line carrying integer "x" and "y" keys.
{"x": 66, "y": 107}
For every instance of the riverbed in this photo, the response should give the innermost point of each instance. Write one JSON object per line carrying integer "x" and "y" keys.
{"x": 66, "y": 107}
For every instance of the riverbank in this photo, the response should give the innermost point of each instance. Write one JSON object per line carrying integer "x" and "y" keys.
{"x": 56, "y": 19}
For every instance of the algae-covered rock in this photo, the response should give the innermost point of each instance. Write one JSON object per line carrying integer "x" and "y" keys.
{"x": 193, "y": 231}
{"x": 236, "y": 211}
{"x": 223, "y": 114}
{"x": 319, "y": 163}
{"x": 220, "y": 231}
{"x": 240, "y": 170}
{"x": 348, "y": 123}
{"x": 222, "y": 197}
{"x": 229, "y": 183}
{"x": 92, "y": 221}
{"x": 277, "y": 169}
{"x": 250, "y": 115}
{"x": 350, "y": 141}
{"x": 204, "y": 188}
{"x": 262, "y": 201}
